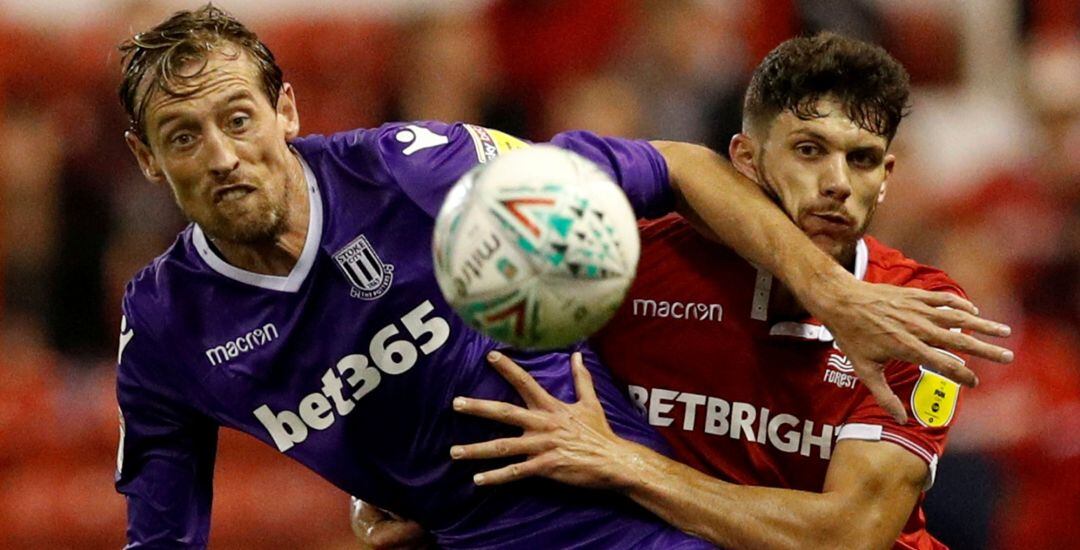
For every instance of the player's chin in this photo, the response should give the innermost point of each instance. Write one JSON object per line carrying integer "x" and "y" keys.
{"x": 250, "y": 226}
{"x": 836, "y": 246}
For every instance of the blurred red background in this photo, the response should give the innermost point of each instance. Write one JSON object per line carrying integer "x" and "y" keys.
{"x": 987, "y": 187}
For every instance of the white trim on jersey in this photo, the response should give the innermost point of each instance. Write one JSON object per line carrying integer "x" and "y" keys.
{"x": 862, "y": 259}
{"x": 759, "y": 310}
{"x": 866, "y": 432}
{"x": 805, "y": 331}
{"x": 874, "y": 432}
{"x": 296, "y": 277}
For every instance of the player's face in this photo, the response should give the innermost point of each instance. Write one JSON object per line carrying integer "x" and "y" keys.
{"x": 827, "y": 173}
{"x": 221, "y": 146}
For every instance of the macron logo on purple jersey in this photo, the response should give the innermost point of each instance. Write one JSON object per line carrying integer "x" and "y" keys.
{"x": 248, "y": 342}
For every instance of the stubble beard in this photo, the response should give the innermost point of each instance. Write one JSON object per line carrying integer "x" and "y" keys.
{"x": 259, "y": 224}
{"x": 843, "y": 252}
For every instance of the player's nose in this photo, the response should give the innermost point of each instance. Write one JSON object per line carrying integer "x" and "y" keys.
{"x": 836, "y": 179}
{"x": 221, "y": 158}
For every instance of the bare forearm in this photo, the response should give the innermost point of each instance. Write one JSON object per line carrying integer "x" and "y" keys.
{"x": 739, "y": 213}
{"x": 740, "y": 516}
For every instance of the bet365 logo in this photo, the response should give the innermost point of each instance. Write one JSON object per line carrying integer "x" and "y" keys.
{"x": 389, "y": 353}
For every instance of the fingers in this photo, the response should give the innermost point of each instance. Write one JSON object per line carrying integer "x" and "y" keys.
{"x": 377, "y": 529}
{"x": 396, "y": 534}
{"x": 533, "y": 394}
{"x": 499, "y": 412}
{"x": 873, "y": 377}
{"x": 951, "y": 318}
{"x": 943, "y": 362}
{"x": 943, "y": 334}
{"x": 946, "y": 299}
{"x": 963, "y": 343}
{"x": 506, "y": 474}
{"x": 497, "y": 448}
{"x": 583, "y": 384}
{"x": 364, "y": 513}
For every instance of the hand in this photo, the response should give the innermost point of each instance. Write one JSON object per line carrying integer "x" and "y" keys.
{"x": 873, "y": 323}
{"x": 377, "y": 529}
{"x": 567, "y": 442}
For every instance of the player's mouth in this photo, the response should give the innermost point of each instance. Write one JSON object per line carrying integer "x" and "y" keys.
{"x": 829, "y": 222}
{"x": 232, "y": 192}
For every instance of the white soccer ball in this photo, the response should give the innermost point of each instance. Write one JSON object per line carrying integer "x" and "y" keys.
{"x": 536, "y": 248}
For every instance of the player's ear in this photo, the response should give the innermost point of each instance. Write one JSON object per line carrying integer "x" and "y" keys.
{"x": 147, "y": 163}
{"x": 741, "y": 150}
{"x": 890, "y": 163}
{"x": 287, "y": 114}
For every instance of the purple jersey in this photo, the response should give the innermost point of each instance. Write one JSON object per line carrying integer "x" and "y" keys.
{"x": 348, "y": 364}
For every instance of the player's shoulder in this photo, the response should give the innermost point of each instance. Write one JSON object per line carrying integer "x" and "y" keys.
{"x": 398, "y": 150}
{"x": 671, "y": 226}
{"x": 146, "y": 308}
{"x": 675, "y": 231}
{"x": 889, "y": 265}
{"x": 148, "y": 294}
{"x": 405, "y": 138}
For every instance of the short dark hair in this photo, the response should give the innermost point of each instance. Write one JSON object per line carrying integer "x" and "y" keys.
{"x": 872, "y": 86}
{"x": 159, "y": 54}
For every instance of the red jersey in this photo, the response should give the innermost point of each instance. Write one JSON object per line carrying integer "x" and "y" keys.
{"x": 755, "y": 402}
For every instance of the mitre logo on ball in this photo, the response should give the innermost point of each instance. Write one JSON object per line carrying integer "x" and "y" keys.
{"x": 536, "y": 248}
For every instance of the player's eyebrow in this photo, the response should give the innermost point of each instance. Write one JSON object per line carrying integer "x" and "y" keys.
{"x": 815, "y": 135}
{"x": 877, "y": 151}
{"x": 165, "y": 120}
{"x": 239, "y": 96}
{"x": 804, "y": 132}
{"x": 168, "y": 119}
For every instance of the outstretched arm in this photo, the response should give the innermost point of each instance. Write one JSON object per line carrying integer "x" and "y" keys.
{"x": 872, "y": 323}
{"x": 869, "y": 490}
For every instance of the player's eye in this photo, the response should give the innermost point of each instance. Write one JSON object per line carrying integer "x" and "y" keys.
{"x": 182, "y": 139}
{"x": 864, "y": 159}
{"x": 239, "y": 122}
{"x": 808, "y": 150}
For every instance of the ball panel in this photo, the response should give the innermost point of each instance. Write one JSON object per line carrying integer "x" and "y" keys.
{"x": 571, "y": 311}
{"x": 474, "y": 257}
{"x": 539, "y": 248}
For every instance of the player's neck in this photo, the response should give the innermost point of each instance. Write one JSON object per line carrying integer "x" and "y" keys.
{"x": 277, "y": 257}
{"x": 783, "y": 306}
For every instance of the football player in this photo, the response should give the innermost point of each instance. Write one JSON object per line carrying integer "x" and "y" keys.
{"x": 300, "y": 305}
{"x": 778, "y": 443}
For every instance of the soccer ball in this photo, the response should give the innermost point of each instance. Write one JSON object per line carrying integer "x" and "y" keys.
{"x": 536, "y": 248}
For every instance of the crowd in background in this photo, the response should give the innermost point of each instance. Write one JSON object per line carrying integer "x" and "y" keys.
{"x": 987, "y": 187}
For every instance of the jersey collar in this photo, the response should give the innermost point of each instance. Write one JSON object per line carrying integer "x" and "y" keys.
{"x": 295, "y": 278}
{"x": 805, "y": 331}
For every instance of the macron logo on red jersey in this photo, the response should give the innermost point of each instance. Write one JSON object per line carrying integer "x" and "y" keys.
{"x": 692, "y": 311}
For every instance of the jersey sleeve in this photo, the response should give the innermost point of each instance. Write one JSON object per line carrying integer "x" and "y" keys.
{"x": 166, "y": 454}
{"x": 931, "y": 401}
{"x": 635, "y": 165}
{"x": 425, "y": 159}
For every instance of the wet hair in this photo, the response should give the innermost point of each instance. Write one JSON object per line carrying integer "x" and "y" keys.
{"x": 160, "y": 58}
{"x": 871, "y": 85}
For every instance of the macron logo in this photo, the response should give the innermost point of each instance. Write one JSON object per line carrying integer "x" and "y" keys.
{"x": 677, "y": 310}
{"x": 419, "y": 138}
{"x": 248, "y": 342}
